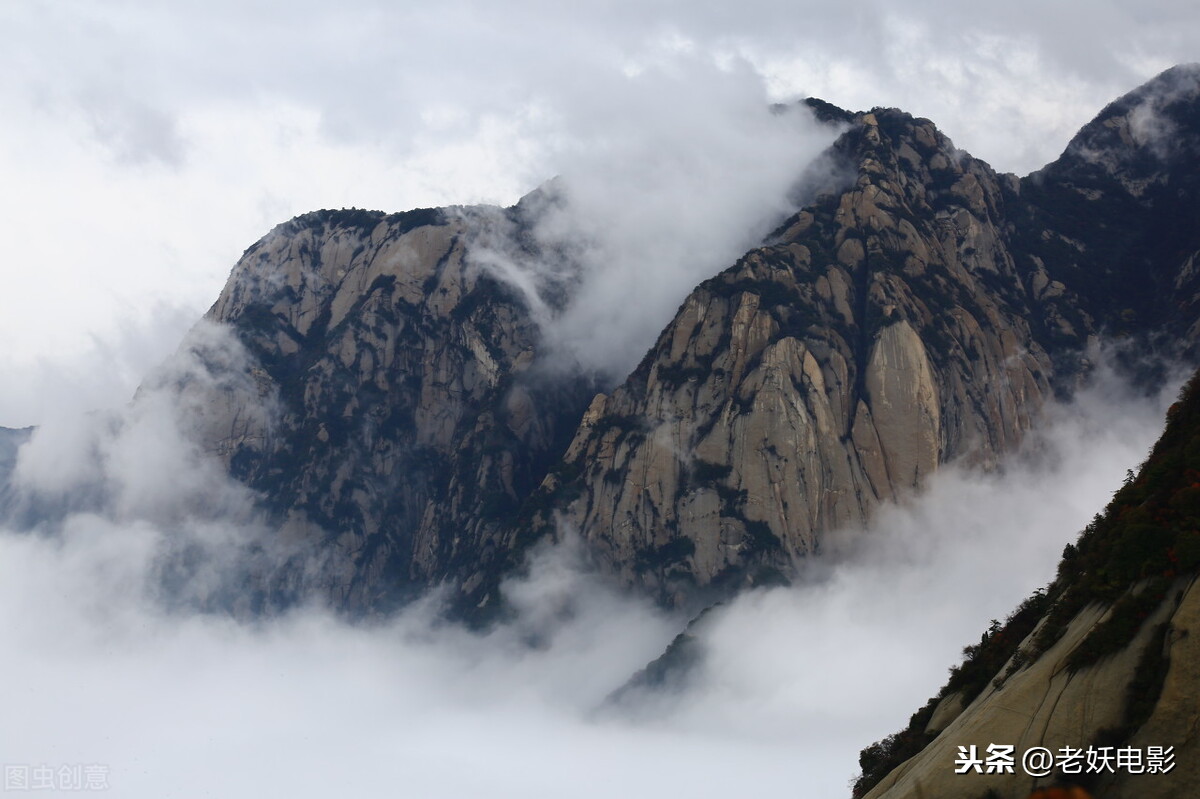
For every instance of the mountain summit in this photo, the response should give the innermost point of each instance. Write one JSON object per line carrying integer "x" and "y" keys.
{"x": 922, "y": 314}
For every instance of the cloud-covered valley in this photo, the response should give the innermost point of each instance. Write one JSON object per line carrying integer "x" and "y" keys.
{"x": 146, "y": 147}
{"x": 107, "y": 666}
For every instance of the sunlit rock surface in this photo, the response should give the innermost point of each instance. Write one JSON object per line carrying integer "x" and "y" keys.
{"x": 1106, "y": 657}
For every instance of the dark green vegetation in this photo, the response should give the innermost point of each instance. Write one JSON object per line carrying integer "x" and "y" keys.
{"x": 981, "y": 664}
{"x": 671, "y": 669}
{"x": 1147, "y": 538}
{"x": 1137, "y": 234}
{"x": 366, "y": 221}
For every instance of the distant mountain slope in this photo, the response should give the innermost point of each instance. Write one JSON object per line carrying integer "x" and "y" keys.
{"x": 10, "y": 441}
{"x": 1108, "y": 656}
{"x": 1114, "y": 219}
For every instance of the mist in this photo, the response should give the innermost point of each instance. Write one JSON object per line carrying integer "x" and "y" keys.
{"x": 147, "y": 147}
{"x": 668, "y": 178}
{"x": 106, "y": 669}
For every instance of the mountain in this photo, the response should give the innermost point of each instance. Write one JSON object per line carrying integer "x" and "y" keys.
{"x": 1105, "y": 657}
{"x": 10, "y": 443}
{"x": 881, "y": 332}
{"x": 409, "y": 417}
{"x": 921, "y": 312}
{"x": 921, "y": 315}
{"x": 389, "y": 394}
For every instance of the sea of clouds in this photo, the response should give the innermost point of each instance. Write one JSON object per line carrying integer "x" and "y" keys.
{"x": 108, "y": 664}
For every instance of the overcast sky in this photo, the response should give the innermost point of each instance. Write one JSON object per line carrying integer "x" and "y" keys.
{"x": 146, "y": 144}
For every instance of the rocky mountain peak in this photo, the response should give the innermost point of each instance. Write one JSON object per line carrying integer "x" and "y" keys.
{"x": 1146, "y": 137}
{"x": 879, "y": 332}
{"x": 919, "y": 311}
{"x": 1114, "y": 218}
{"x": 919, "y": 308}
{"x": 410, "y": 420}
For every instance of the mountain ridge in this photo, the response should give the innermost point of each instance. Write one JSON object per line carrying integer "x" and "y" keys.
{"x": 916, "y": 322}
{"x": 921, "y": 308}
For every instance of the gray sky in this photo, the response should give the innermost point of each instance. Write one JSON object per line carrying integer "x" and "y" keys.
{"x": 145, "y": 145}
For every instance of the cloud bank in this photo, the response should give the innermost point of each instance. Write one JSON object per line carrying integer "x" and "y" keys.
{"x": 146, "y": 147}
{"x": 108, "y": 669}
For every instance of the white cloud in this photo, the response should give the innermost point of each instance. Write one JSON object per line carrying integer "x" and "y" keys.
{"x": 683, "y": 167}
{"x": 844, "y": 658}
{"x": 111, "y": 671}
{"x": 146, "y": 145}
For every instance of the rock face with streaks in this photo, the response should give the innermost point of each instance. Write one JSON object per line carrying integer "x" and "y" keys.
{"x": 408, "y": 422}
{"x": 922, "y": 314}
{"x": 388, "y": 398}
{"x": 10, "y": 443}
{"x": 1106, "y": 658}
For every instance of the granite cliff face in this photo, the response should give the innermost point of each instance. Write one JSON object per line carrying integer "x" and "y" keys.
{"x": 881, "y": 332}
{"x": 10, "y": 443}
{"x": 1107, "y": 656}
{"x": 408, "y": 422}
{"x": 921, "y": 315}
{"x": 393, "y": 411}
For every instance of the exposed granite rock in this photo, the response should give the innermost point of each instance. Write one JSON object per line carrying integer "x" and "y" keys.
{"x": 836, "y": 367}
{"x": 1047, "y": 704}
{"x": 10, "y": 441}
{"x": 407, "y": 423}
{"x": 920, "y": 311}
{"x": 1110, "y": 661}
{"x": 920, "y": 315}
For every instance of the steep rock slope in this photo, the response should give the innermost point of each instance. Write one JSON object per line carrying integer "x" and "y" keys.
{"x": 1107, "y": 656}
{"x": 1113, "y": 222}
{"x": 406, "y": 422}
{"x": 921, "y": 315}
